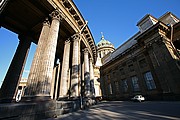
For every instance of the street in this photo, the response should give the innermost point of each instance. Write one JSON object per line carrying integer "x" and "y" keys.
{"x": 127, "y": 110}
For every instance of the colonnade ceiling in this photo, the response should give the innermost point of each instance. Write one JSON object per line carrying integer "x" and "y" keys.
{"x": 26, "y": 17}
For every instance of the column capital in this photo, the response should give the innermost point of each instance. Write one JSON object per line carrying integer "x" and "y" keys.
{"x": 46, "y": 22}
{"x": 76, "y": 37}
{"x": 56, "y": 14}
{"x": 85, "y": 50}
{"x": 91, "y": 60}
{"x": 67, "y": 41}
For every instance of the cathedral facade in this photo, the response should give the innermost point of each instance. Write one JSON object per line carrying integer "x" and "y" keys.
{"x": 148, "y": 63}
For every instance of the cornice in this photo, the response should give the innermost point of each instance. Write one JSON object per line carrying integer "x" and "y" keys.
{"x": 80, "y": 22}
{"x": 158, "y": 27}
{"x": 123, "y": 54}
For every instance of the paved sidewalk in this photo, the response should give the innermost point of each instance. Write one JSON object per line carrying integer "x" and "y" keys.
{"x": 119, "y": 110}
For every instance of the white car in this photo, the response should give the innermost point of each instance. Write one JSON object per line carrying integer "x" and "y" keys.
{"x": 139, "y": 98}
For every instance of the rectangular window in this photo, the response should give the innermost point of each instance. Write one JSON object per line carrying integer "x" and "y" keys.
{"x": 99, "y": 54}
{"x": 124, "y": 85}
{"x": 135, "y": 83}
{"x": 149, "y": 80}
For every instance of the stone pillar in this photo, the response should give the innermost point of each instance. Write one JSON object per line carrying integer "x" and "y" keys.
{"x": 69, "y": 80}
{"x": 82, "y": 81}
{"x": 42, "y": 86}
{"x": 35, "y": 70}
{"x": 57, "y": 83}
{"x": 65, "y": 70}
{"x": 86, "y": 72}
{"x": 80, "y": 69}
{"x": 91, "y": 69}
{"x": 15, "y": 70}
{"x": 102, "y": 54}
{"x": 53, "y": 82}
{"x": 75, "y": 66}
{"x": 43, "y": 89}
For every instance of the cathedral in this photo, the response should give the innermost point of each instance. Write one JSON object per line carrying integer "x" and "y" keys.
{"x": 148, "y": 63}
{"x": 69, "y": 71}
{"x": 104, "y": 47}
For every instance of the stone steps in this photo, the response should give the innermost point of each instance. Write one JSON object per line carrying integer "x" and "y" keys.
{"x": 37, "y": 110}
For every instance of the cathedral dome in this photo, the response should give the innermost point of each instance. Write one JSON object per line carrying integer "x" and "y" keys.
{"x": 104, "y": 43}
{"x": 104, "y": 47}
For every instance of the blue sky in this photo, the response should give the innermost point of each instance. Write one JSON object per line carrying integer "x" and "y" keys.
{"x": 117, "y": 20}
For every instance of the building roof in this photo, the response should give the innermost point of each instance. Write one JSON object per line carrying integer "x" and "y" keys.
{"x": 168, "y": 14}
{"x": 164, "y": 19}
{"x": 104, "y": 43}
{"x": 129, "y": 43}
{"x": 144, "y": 18}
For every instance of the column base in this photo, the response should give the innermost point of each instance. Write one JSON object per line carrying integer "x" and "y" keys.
{"x": 36, "y": 98}
{"x": 63, "y": 98}
{"x": 29, "y": 110}
{"x": 67, "y": 98}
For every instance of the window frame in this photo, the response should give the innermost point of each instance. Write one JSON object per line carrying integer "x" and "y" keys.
{"x": 149, "y": 80}
{"x": 135, "y": 83}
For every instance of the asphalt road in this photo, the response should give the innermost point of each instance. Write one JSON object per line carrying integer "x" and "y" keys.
{"x": 127, "y": 110}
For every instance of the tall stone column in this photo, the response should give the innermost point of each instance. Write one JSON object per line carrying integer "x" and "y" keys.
{"x": 91, "y": 69}
{"x": 15, "y": 70}
{"x": 75, "y": 66}
{"x": 42, "y": 85}
{"x": 43, "y": 88}
{"x": 102, "y": 54}
{"x": 82, "y": 78}
{"x": 86, "y": 72}
{"x": 80, "y": 69}
{"x": 57, "y": 83}
{"x": 53, "y": 82}
{"x": 33, "y": 77}
{"x": 65, "y": 68}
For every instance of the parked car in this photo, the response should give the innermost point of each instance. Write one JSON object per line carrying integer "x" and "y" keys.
{"x": 138, "y": 98}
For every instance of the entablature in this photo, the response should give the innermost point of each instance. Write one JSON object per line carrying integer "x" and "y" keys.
{"x": 75, "y": 19}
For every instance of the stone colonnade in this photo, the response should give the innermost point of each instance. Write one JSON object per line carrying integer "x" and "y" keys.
{"x": 41, "y": 80}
